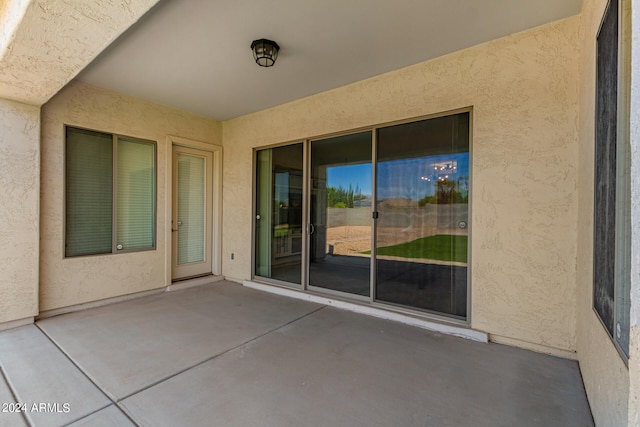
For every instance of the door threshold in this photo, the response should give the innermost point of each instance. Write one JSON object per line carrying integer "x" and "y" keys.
{"x": 197, "y": 276}
{"x": 442, "y": 327}
{"x": 193, "y": 281}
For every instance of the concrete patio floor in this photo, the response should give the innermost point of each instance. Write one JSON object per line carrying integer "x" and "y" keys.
{"x": 224, "y": 355}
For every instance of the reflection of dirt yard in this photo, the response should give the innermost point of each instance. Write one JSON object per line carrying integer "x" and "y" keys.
{"x": 349, "y": 239}
{"x": 349, "y": 230}
{"x": 355, "y": 239}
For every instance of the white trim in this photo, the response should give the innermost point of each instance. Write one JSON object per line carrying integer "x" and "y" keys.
{"x": 192, "y": 143}
{"x": 444, "y": 328}
{"x": 216, "y": 223}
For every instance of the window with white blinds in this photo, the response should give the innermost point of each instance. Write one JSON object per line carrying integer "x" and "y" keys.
{"x": 110, "y": 194}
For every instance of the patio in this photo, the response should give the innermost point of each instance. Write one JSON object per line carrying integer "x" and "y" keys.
{"x": 222, "y": 354}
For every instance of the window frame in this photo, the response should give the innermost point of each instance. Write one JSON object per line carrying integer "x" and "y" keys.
{"x": 115, "y": 138}
{"x": 620, "y": 187}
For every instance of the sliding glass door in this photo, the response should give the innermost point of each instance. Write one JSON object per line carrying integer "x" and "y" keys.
{"x": 340, "y": 214}
{"x": 380, "y": 216}
{"x": 278, "y": 221}
{"x": 422, "y": 193}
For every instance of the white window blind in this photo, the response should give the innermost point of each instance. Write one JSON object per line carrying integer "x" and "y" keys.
{"x": 136, "y": 195}
{"x": 191, "y": 208}
{"x": 89, "y": 195}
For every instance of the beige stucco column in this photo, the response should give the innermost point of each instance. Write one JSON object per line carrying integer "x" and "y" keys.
{"x": 43, "y": 46}
{"x": 19, "y": 200}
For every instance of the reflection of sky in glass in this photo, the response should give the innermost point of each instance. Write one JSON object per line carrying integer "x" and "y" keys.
{"x": 359, "y": 175}
{"x": 411, "y": 178}
{"x": 415, "y": 178}
{"x": 282, "y": 188}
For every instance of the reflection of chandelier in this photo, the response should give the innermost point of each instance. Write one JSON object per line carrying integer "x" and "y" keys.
{"x": 442, "y": 167}
{"x": 442, "y": 171}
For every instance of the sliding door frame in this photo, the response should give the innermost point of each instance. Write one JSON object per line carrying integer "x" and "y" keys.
{"x": 307, "y": 245}
{"x": 417, "y": 311}
{"x": 307, "y": 228}
{"x": 254, "y": 212}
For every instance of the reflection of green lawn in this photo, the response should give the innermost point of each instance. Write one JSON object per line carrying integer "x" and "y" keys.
{"x": 280, "y": 231}
{"x": 443, "y": 247}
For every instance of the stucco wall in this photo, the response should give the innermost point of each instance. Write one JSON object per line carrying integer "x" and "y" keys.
{"x": 19, "y": 193}
{"x": 524, "y": 93}
{"x": 78, "y": 280}
{"x": 604, "y": 373}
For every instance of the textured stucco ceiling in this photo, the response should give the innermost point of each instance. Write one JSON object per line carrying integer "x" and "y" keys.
{"x": 45, "y": 44}
{"x": 194, "y": 54}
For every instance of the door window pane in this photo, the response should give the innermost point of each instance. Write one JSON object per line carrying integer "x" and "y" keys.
{"x": 422, "y": 186}
{"x": 279, "y": 213}
{"x": 191, "y": 208}
{"x": 340, "y": 246}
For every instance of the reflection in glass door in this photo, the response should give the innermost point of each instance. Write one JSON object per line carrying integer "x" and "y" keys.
{"x": 278, "y": 231}
{"x": 340, "y": 214}
{"x": 415, "y": 211}
{"x": 422, "y": 194}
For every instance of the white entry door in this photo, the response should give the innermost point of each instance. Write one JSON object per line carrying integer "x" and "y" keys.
{"x": 191, "y": 222}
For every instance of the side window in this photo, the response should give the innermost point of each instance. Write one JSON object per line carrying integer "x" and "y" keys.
{"x": 110, "y": 193}
{"x": 612, "y": 208}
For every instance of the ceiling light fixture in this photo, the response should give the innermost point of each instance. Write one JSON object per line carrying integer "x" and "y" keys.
{"x": 265, "y": 52}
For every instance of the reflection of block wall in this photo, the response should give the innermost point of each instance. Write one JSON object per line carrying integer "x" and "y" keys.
{"x": 338, "y": 217}
{"x": 449, "y": 216}
{"x": 440, "y": 216}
